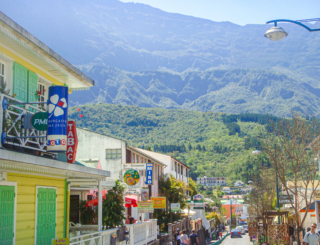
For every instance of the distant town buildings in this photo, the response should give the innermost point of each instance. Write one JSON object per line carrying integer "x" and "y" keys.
{"x": 211, "y": 181}
{"x": 239, "y": 183}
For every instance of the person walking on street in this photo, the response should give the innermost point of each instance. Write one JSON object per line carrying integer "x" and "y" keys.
{"x": 311, "y": 237}
{"x": 193, "y": 240}
{"x": 176, "y": 235}
{"x": 217, "y": 233}
{"x": 184, "y": 238}
{"x": 179, "y": 239}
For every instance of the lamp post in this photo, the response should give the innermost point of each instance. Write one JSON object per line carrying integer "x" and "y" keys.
{"x": 277, "y": 33}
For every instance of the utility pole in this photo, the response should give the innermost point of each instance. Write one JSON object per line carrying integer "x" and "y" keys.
{"x": 230, "y": 215}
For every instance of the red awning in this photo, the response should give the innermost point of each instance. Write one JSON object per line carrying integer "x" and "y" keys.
{"x": 93, "y": 202}
{"x": 130, "y": 202}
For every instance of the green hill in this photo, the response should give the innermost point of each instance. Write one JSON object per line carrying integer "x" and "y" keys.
{"x": 212, "y": 144}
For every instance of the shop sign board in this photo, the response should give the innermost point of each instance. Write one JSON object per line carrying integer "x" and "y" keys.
{"x": 159, "y": 202}
{"x": 136, "y": 166}
{"x": 72, "y": 142}
{"x": 131, "y": 177}
{"x": 132, "y": 192}
{"x": 198, "y": 198}
{"x": 39, "y": 121}
{"x": 57, "y": 119}
{"x": 175, "y": 207}
{"x": 145, "y": 207}
{"x": 61, "y": 241}
{"x": 145, "y": 194}
{"x": 285, "y": 199}
{"x": 149, "y": 170}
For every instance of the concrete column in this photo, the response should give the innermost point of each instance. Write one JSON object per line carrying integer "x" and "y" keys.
{"x": 170, "y": 231}
{"x": 99, "y": 206}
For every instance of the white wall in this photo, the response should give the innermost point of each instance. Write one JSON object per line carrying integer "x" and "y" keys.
{"x": 93, "y": 145}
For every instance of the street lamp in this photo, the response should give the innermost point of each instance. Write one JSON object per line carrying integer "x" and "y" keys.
{"x": 276, "y": 33}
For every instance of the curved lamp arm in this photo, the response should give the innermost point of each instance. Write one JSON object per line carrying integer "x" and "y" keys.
{"x": 292, "y": 21}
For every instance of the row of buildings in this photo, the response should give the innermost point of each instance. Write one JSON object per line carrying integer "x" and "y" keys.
{"x": 40, "y": 190}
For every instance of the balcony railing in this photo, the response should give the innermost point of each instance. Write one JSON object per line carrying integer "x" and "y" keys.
{"x": 139, "y": 234}
{"x": 12, "y": 112}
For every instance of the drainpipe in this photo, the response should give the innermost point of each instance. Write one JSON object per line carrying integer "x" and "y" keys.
{"x": 99, "y": 206}
{"x": 67, "y": 217}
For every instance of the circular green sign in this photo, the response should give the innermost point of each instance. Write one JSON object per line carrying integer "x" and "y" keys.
{"x": 131, "y": 177}
{"x": 39, "y": 121}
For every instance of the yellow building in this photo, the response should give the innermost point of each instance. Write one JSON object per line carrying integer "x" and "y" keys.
{"x": 34, "y": 184}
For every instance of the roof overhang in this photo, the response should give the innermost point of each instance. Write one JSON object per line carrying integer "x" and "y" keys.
{"x": 137, "y": 151}
{"x": 19, "y": 41}
{"x": 19, "y": 162}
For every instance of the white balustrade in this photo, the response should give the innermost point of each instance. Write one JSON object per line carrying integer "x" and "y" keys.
{"x": 139, "y": 234}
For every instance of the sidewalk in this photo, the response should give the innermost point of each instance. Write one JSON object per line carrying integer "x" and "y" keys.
{"x": 223, "y": 234}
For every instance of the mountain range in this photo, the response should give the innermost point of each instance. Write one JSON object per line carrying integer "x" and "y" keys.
{"x": 147, "y": 57}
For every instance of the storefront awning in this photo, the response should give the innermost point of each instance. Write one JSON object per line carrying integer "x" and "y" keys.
{"x": 130, "y": 202}
{"x": 311, "y": 209}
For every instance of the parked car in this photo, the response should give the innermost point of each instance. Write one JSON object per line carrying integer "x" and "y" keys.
{"x": 241, "y": 229}
{"x": 235, "y": 233}
{"x": 246, "y": 229}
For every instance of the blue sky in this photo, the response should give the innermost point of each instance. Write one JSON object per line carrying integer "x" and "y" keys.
{"x": 240, "y": 11}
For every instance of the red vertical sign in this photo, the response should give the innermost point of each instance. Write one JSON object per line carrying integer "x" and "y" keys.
{"x": 72, "y": 142}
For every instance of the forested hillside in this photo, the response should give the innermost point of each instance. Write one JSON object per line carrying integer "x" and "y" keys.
{"x": 212, "y": 144}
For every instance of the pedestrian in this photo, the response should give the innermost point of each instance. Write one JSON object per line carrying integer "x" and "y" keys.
{"x": 178, "y": 241}
{"x": 311, "y": 237}
{"x": 176, "y": 235}
{"x": 184, "y": 238}
{"x": 193, "y": 240}
{"x": 217, "y": 234}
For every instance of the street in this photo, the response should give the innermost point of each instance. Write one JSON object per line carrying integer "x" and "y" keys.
{"x": 237, "y": 241}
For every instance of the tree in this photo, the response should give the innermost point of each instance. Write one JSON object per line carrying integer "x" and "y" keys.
{"x": 292, "y": 146}
{"x": 261, "y": 198}
{"x": 174, "y": 190}
{"x": 112, "y": 207}
{"x": 193, "y": 187}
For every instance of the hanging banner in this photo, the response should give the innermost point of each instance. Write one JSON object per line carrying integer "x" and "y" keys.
{"x": 57, "y": 119}
{"x": 145, "y": 207}
{"x": 131, "y": 177}
{"x": 175, "y": 207}
{"x": 159, "y": 202}
{"x": 149, "y": 170}
{"x": 72, "y": 142}
{"x": 145, "y": 194}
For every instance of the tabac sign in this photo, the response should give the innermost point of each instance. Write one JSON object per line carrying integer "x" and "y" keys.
{"x": 72, "y": 142}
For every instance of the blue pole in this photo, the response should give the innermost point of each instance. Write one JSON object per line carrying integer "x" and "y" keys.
{"x": 294, "y": 22}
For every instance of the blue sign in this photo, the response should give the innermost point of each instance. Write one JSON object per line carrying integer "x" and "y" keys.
{"x": 149, "y": 169}
{"x": 57, "y": 119}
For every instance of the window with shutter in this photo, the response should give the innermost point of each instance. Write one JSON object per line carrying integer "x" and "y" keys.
{"x": 20, "y": 82}
{"x": 32, "y": 86}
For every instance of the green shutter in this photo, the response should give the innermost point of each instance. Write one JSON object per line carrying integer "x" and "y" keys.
{"x": 7, "y": 194}
{"x": 20, "y": 82}
{"x": 46, "y": 215}
{"x": 32, "y": 86}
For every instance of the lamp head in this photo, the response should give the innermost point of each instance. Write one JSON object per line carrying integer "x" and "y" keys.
{"x": 276, "y": 33}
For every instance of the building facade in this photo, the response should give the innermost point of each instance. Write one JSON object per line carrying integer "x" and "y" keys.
{"x": 34, "y": 184}
{"x": 211, "y": 181}
{"x": 176, "y": 168}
